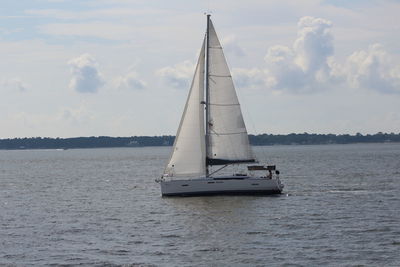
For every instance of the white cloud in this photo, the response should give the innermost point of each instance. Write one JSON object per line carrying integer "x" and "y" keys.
{"x": 249, "y": 77}
{"x": 15, "y": 84}
{"x": 177, "y": 76}
{"x": 130, "y": 81}
{"x": 77, "y": 120}
{"x": 230, "y": 46}
{"x": 303, "y": 68}
{"x": 309, "y": 66}
{"x": 314, "y": 44}
{"x": 85, "y": 76}
{"x": 79, "y": 115}
{"x": 373, "y": 69}
{"x": 283, "y": 72}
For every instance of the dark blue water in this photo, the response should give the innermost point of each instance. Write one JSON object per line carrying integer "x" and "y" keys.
{"x": 340, "y": 207}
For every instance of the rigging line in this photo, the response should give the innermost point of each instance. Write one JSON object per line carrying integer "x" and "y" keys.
{"x": 219, "y": 169}
{"x": 211, "y": 130}
{"x": 223, "y": 105}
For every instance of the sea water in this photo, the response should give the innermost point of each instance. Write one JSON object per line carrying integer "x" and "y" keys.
{"x": 340, "y": 207}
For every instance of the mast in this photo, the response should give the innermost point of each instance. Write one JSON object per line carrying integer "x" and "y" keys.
{"x": 207, "y": 95}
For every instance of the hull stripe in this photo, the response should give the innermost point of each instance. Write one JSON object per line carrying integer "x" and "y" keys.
{"x": 230, "y": 192}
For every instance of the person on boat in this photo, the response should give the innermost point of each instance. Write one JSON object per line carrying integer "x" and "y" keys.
{"x": 269, "y": 174}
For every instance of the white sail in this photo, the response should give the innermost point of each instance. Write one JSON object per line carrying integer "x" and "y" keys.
{"x": 188, "y": 156}
{"x": 228, "y": 140}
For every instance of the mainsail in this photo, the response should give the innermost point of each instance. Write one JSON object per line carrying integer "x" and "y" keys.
{"x": 228, "y": 140}
{"x": 188, "y": 156}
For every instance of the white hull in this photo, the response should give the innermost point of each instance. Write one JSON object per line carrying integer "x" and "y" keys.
{"x": 221, "y": 186}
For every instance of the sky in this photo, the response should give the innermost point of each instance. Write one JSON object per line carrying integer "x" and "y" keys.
{"x": 123, "y": 67}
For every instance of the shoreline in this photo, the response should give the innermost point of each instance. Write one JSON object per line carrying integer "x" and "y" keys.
{"x": 168, "y": 140}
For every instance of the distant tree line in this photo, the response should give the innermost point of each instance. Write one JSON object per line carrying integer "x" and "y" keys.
{"x": 168, "y": 140}
{"x": 319, "y": 139}
{"x": 85, "y": 142}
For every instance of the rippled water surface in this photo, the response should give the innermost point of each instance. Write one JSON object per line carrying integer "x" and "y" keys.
{"x": 341, "y": 206}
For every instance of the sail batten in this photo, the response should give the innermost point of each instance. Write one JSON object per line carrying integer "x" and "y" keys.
{"x": 227, "y": 76}
{"x": 228, "y": 133}
{"x": 212, "y": 104}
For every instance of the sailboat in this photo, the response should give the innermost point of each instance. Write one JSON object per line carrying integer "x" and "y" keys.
{"x": 212, "y": 135}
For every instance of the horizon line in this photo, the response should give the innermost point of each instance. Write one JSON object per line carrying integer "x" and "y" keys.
{"x": 161, "y": 135}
